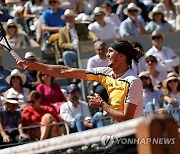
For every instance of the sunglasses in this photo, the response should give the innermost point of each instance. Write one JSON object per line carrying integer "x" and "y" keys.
{"x": 152, "y": 61}
{"x": 156, "y": 37}
{"x": 175, "y": 80}
{"x": 144, "y": 78}
{"x": 15, "y": 77}
{"x": 12, "y": 27}
{"x": 133, "y": 10}
{"x": 51, "y": 2}
{"x": 31, "y": 101}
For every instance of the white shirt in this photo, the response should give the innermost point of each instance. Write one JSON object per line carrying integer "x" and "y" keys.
{"x": 68, "y": 111}
{"x": 160, "y": 78}
{"x": 95, "y": 61}
{"x": 166, "y": 55}
{"x": 104, "y": 33}
{"x": 135, "y": 88}
{"x": 73, "y": 35}
{"x": 114, "y": 19}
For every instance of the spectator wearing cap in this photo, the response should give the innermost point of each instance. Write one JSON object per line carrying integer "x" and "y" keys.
{"x": 158, "y": 22}
{"x": 15, "y": 36}
{"x": 11, "y": 122}
{"x": 134, "y": 24}
{"x": 77, "y": 113}
{"x": 152, "y": 98}
{"x": 171, "y": 87}
{"x": 103, "y": 29}
{"x": 111, "y": 17}
{"x": 17, "y": 80}
{"x": 4, "y": 72}
{"x": 31, "y": 81}
{"x": 165, "y": 56}
{"x": 157, "y": 76}
{"x": 69, "y": 37}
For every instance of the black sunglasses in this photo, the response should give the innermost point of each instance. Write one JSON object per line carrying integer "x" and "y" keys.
{"x": 175, "y": 80}
{"x": 31, "y": 101}
{"x": 12, "y": 27}
{"x": 51, "y": 2}
{"x": 144, "y": 78}
{"x": 15, "y": 77}
{"x": 152, "y": 61}
{"x": 132, "y": 10}
{"x": 156, "y": 37}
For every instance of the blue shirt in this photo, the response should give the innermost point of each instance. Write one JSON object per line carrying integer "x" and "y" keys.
{"x": 129, "y": 28}
{"x": 3, "y": 84}
{"x": 53, "y": 19}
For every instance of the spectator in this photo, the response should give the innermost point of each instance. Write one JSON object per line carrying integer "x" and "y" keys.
{"x": 152, "y": 99}
{"x": 158, "y": 22}
{"x": 139, "y": 67}
{"x": 69, "y": 37}
{"x": 104, "y": 30}
{"x": 31, "y": 81}
{"x": 10, "y": 118}
{"x": 172, "y": 95}
{"x": 77, "y": 113}
{"x": 50, "y": 91}
{"x": 111, "y": 17}
{"x": 171, "y": 87}
{"x": 51, "y": 18}
{"x": 99, "y": 60}
{"x": 156, "y": 76}
{"x": 4, "y": 72}
{"x": 15, "y": 36}
{"x": 36, "y": 114}
{"x": 164, "y": 55}
{"x": 17, "y": 80}
{"x": 169, "y": 10}
{"x": 134, "y": 24}
{"x": 32, "y": 14}
{"x": 4, "y": 16}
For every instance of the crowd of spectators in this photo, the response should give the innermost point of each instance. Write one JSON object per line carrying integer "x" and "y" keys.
{"x": 37, "y": 99}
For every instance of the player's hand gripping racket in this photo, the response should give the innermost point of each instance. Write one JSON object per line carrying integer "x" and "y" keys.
{"x": 8, "y": 47}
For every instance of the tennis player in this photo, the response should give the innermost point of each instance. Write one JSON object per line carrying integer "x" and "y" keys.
{"x": 121, "y": 82}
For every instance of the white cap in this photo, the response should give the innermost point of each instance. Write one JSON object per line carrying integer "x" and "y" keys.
{"x": 29, "y": 55}
{"x": 98, "y": 10}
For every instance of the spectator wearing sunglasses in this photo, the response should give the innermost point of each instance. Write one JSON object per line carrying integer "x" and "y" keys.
{"x": 165, "y": 56}
{"x": 156, "y": 76}
{"x": 49, "y": 91}
{"x": 17, "y": 80}
{"x": 15, "y": 35}
{"x": 171, "y": 87}
{"x": 37, "y": 114}
{"x": 134, "y": 24}
{"x": 158, "y": 22}
{"x": 152, "y": 98}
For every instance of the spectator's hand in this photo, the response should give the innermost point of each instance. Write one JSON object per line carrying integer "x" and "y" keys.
{"x": 7, "y": 138}
{"x": 23, "y": 135}
{"x": 88, "y": 124}
{"x": 95, "y": 101}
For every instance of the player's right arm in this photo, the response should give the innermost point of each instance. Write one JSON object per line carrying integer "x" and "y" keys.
{"x": 57, "y": 71}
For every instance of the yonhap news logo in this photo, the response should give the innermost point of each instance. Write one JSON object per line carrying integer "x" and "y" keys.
{"x": 107, "y": 140}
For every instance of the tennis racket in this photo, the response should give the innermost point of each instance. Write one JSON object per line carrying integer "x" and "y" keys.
{"x": 7, "y": 46}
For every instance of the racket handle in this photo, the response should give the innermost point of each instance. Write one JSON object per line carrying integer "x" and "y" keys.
{"x": 17, "y": 58}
